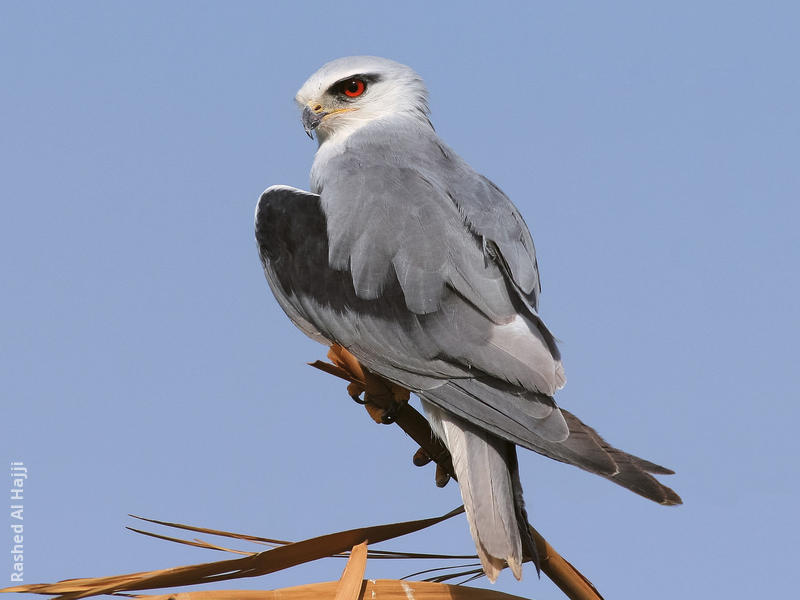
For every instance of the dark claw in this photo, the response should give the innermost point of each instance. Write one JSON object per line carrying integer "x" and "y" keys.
{"x": 358, "y": 399}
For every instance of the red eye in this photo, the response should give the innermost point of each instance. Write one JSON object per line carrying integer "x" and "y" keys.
{"x": 353, "y": 88}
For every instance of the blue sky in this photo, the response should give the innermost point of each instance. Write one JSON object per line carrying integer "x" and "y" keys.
{"x": 145, "y": 367}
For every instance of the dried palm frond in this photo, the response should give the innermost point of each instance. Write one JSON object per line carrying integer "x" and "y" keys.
{"x": 262, "y": 563}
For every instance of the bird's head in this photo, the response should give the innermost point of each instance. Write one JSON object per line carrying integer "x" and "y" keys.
{"x": 347, "y": 93}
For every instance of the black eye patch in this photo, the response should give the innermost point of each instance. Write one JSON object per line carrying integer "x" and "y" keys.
{"x": 353, "y": 86}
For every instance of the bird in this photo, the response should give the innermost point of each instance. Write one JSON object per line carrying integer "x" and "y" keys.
{"x": 426, "y": 272}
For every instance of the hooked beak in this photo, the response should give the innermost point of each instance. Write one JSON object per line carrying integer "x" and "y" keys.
{"x": 311, "y": 120}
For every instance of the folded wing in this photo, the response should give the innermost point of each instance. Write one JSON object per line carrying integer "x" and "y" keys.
{"x": 449, "y": 328}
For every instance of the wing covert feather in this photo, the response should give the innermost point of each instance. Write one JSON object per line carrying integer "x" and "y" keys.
{"x": 419, "y": 351}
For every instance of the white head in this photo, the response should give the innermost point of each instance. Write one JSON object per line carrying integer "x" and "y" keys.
{"x": 347, "y": 93}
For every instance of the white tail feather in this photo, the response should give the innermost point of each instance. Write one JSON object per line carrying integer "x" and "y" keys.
{"x": 481, "y": 466}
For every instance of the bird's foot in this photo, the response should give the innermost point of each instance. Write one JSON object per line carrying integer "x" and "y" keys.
{"x": 389, "y": 415}
{"x": 383, "y": 410}
{"x": 422, "y": 458}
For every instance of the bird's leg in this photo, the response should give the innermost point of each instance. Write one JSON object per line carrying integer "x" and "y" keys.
{"x": 387, "y": 402}
{"x": 384, "y": 400}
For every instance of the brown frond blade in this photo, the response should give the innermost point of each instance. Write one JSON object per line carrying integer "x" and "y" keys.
{"x": 331, "y": 369}
{"x": 350, "y": 582}
{"x": 568, "y": 579}
{"x": 196, "y": 543}
{"x": 219, "y": 532}
{"x": 471, "y": 573}
{"x": 392, "y": 554}
{"x": 440, "y": 570}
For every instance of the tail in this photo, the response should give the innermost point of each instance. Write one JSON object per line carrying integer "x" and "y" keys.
{"x": 486, "y": 469}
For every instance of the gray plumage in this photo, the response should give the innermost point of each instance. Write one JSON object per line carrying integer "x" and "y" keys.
{"x": 426, "y": 272}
